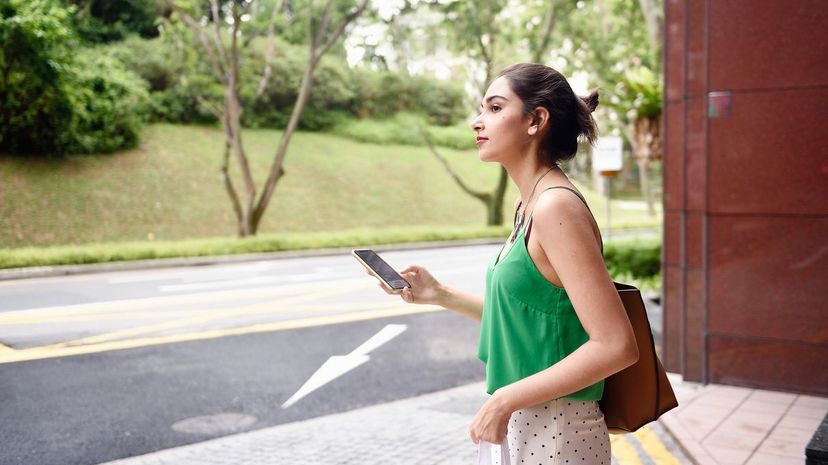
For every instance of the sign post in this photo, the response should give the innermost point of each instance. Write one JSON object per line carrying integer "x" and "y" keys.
{"x": 607, "y": 160}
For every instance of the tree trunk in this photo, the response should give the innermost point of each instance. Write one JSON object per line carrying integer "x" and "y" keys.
{"x": 646, "y": 142}
{"x": 276, "y": 171}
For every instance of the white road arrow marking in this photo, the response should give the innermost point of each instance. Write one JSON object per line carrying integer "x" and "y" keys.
{"x": 338, "y": 365}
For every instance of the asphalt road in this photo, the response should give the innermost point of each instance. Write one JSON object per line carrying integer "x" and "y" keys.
{"x": 99, "y": 367}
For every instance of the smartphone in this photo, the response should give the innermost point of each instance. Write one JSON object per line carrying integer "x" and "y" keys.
{"x": 379, "y": 268}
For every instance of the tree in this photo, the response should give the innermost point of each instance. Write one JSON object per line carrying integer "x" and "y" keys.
{"x": 321, "y": 31}
{"x": 478, "y": 29}
{"x": 618, "y": 42}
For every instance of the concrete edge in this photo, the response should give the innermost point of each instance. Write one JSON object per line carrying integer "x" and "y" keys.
{"x": 131, "y": 265}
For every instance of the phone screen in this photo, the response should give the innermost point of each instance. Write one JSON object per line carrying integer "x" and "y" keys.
{"x": 384, "y": 270}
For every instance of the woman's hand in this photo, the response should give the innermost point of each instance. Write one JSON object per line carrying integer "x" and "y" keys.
{"x": 491, "y": 422}
{"x": 424, "y": 288}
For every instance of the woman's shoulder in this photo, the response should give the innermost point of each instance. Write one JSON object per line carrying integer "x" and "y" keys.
{"x": 560, "y": 213}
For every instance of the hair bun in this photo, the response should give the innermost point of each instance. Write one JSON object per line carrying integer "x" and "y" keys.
{"x": 591, "y": 100}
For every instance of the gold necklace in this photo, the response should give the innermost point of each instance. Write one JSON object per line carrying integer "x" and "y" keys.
{"x": 522, "y": 211}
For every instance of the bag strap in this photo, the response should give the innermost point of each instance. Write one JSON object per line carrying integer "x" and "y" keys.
{"x": 531, "y": 214}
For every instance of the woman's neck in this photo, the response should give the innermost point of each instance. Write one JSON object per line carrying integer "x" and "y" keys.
{"x": 525, "y": 176}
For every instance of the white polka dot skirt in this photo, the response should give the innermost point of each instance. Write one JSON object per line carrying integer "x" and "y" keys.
{"x": 559, "y": 432}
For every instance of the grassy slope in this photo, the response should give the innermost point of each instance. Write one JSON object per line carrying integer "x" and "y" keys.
{"x": 171, "y": 188}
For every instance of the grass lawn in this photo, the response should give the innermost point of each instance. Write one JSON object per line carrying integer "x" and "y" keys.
{"x": 170, "y": 188}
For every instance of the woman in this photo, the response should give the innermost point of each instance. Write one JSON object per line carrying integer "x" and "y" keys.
{"x": 553, "y": 326}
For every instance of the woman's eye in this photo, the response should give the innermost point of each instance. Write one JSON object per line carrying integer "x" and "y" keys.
{"x": 495, "y": 108}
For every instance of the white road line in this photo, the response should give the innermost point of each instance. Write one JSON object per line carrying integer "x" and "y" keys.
{"x": 338, "y": 365}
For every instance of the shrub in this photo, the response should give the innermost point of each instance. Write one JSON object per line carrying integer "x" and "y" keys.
{"x": 35, "y": 49}
{"x": 57, "y": 102}
{"x": 109, "y": 103}
{"x": 639, "y": 258}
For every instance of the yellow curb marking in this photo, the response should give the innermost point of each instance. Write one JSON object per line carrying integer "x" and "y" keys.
{"x": 5, "y": 349}
{"x": 624, "y": 451}
{"x": 656, "y": 449}
{"x": 38, "y": 353}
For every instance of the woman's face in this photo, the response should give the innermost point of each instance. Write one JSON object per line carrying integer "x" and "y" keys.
{"x": 501, "y": 126}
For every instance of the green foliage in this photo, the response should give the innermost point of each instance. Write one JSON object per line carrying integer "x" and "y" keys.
{"x": 638, "y": 258}
{"x": 402, "y": 129}
{"x": 383, "y": 94}
{"x": 100, "y": 21}
{"x": 642, "y": 90}
{"x": 110, "y": 104}
{"x": 36, "y": 43}
{"x": 55, "y": 100}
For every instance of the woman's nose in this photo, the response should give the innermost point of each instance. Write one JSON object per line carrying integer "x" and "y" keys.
{"x": 476, "y": 124}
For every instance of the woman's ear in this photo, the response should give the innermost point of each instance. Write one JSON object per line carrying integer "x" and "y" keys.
{"x": 539, "y": 119}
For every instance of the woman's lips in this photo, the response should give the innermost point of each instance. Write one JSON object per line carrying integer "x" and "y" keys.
{"x": 480, "y": 140}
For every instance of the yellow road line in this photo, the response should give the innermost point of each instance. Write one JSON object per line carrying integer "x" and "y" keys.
{"x": 261, "y": 307}
{"x": 154, "y": 302}
{"x": 624, "y": 451}
{"x": 38, "y": 353}
{"x": 156, "y": 314}
{"x": 5, "y": 349}
{"x": 656, "y": 449}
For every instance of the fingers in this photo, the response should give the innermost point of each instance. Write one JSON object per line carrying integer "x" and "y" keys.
{"x": 414, "y": 269}
{"x": 386, "y": 288}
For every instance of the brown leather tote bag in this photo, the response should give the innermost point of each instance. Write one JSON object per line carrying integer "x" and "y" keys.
{"x": 641, "y": 392}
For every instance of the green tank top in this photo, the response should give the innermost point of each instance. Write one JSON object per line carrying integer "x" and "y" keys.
{"x": 528, "y": 323}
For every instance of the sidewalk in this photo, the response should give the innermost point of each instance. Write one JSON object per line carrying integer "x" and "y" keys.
{"x": 713, "y": 425}
{"x": 729, "y": 425}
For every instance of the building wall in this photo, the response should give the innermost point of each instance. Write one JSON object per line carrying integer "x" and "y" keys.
{"x": 745, "y": 261}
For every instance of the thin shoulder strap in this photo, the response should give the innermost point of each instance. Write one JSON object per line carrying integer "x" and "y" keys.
{"x": 532, "y": 213}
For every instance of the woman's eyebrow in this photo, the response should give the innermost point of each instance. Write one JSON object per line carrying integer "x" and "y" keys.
{"x": 489, "y": 98}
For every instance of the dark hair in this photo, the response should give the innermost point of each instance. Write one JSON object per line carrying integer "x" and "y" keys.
{"x": 570, "y": 116}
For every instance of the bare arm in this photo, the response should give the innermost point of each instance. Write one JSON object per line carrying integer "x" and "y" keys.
{"x": 564, "y": 230}
{"x": 462, "y": 302}
{"x": 425, "y": 289}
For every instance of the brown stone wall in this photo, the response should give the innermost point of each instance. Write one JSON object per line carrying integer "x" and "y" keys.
{"x": 745, "y": 261}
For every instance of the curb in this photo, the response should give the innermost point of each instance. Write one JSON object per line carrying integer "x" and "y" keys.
{"x": 67, "y": 270}
{"x": 148, "y": 264}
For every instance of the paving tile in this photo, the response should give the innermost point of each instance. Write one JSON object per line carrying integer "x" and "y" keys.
{"x": 790, "y": 442}
{"x": 749, "y": 422}
{"x": 800, "y": 422}
{"x": 698, "y": 427}
{"x": 729, "y": 455}
{"x": 808, "y": 411}
{"x": 812, "y": 401}
{"x": 759, "y": 405}
{"x": 773, "y": 459}
{"x": 773, "y": 396}
{"x": 732, "y": 391}
{"x": 734, "y": 439}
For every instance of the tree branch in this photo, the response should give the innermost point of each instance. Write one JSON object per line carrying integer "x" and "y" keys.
{"x": 483, "y": 196}
{"x": 323, "y": 25}
{"x": 271, "y": 30}
{"x": 214, "y": 7}
{"x": 348, "y": 19}
{"x": 549, "y": 26}
{"x": 228, "y": 182}
{"x": 218, "y": 67}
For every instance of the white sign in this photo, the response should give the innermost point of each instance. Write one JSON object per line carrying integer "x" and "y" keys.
{"x": 606, "y": 155}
